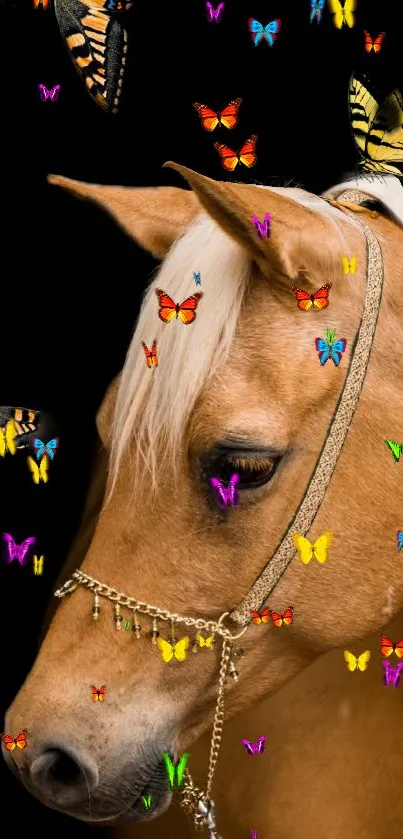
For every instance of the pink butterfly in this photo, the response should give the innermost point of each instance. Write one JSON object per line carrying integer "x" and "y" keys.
{"x": 18, "y": 551}
{"x": 226, "y": 494}
{"x": 52, "y": 94}
{"x": 214, "y": 14}
{"x": 255, "y": 748}
{"x": 262, "y": 227}
{"x": 392, "y": 674}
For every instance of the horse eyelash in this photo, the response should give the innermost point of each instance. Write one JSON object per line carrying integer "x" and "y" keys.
{"x": 251, "y": 465}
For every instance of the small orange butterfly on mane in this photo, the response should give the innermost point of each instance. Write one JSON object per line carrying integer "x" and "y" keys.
{"x": 261, "y": 617}
{"x": 287, "y": 618}
{"x": 185, "y": 311}
{"x": 151, "y": 355}
{"x": 98, "y": 694}
{"x": 318, "y": 300}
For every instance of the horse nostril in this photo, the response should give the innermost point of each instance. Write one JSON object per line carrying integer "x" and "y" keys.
{"x": 63, "y": 777}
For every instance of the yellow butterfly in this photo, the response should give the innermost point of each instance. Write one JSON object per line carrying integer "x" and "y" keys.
{"x": 343, "y": 13}
{"x": 170, "y": 651}
{"x": 39, "y": 473}
{"x": 7, "y": 436}
{"x": 349, "y": 265}
{"x": 205, "y": 642}
{"x": 38, "y": 565}
{"x": 360, "y": 663}
{"x": 307, "y": 550}
{"x": 377, "y": 128}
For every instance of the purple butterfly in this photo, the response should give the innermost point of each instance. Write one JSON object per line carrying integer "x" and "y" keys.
{"x": 391, "y": 674}
{"x": 52, "y": 94}
{"x": 255, "y": 748}
{"x": 262, "y": 227}
{"x": 214, "y": 14}
{"x": 18, "y": 551}
{"x": 226, "y": 494}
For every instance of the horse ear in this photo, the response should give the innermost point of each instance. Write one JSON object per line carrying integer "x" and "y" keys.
{"x": 154, "y": 216}
{"x": 294, "y": 229}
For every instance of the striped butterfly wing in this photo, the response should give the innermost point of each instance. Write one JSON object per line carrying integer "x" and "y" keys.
{"x": 97, "y": 42}
{"x": 377, "y": 129}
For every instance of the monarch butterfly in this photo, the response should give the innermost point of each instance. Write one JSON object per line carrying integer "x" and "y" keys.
{"x": 307, "y": 550}
{"x": 318, "y": 300}
{"x": 177, "y": 649}
{"x": 186, "y": 311}
{"x": 45, "y": 4}
{"x": 151, "y": 355}
{"x": 98, "y": 694}
{"x": 343, "y": 13}
{"x": 38, "y": 565}
{"x": 261, "y": 617}
{"x": 360, "y": 663}
{"x": 374, "y": 45}
{"x": 387, "y": 647}
{"x": 246, "y": 154}
{"x": 377, "y": 128}
{"x": 228, "y": 117}
{"x": 287, "y": 618}
{"x": 11, "y": 742}
{"x": 39, "y": 473}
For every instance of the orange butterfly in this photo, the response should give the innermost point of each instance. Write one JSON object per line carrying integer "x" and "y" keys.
{"x": 11, "y": 742}
{"x": 45, "y": 4}
{"x": 388, "y": 647}
{"x": 374, "y": 45}
{"x": 318, "y": 300}
{"x": 186, "y": 311}
{"x": 261, "y": 617}
{"x": 246, "y": 154}
{"x": 228, "y": 117}
{"x": 98, "y": 694}
{"x": 286, "y": 618}
{"x": 151, "y": 355}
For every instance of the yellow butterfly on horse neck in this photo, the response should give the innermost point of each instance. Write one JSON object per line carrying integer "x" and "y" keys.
{"x": 349, "y": 265}
{"x": 177, "y": 650}
{"x": 308, "y": 550}
{"x": 354, "y": 663}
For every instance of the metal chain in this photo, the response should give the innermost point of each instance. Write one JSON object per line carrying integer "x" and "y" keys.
{"x": 219, "y": 715}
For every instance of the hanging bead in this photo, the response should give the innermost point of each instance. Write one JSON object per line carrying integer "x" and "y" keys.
{"x": 154, "y": 633}
{"x": 126, "y": 625}
{"x": 96, "y": 608}
{"x": 118, "y": 616}
{"x": 194, "y": 646}
{"x": 233, "y": 671}
{"x": 136, "y": 626}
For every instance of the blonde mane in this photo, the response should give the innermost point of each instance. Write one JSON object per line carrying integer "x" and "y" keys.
{"x": 153, "y": 407}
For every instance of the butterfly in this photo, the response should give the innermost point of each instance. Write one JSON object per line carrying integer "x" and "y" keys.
{"x": 246, "y": 154}
{"x": 205, "y": 642}
{"x": 39, "y": 473}
{"x": 98, "y": 694}
{"x": 260, "y": 32}
{"x": 38, "y": 565}
{"x": 396, "y": 449}
{"x": 349, "y": 265}
{"x": 197, "y": 277}
{"x": 175, "y": 772}
{"x": 7, "y": 438}
{"x": 307, "y": 550}
{"x": 25, "y": 420}
{"x": 45, "y": 448}
{"x": 151, "y": 355}
{"x": 399, "y": 535}
{"x": 45, "y": 4}
{"x": 377, "y": 128}
{"x": 255, "y": 748}
{"x": 214, "y": 14}
{"x": 387, "y": 647}
{"x": 11, "y": 742}
{"x": 317, "y": 7}
{"x": 186, "y": 311}
{"x": 254, "y": 832}
{"x": 343, "y": 13}
{"x": 228, "y": 117}
{"x": 226, "y": 495}
{"x": 391, "y": 674}
{"x": 261, "y": 617}
{"x": 374, "y": 45}
{"x": 146, "y": 800}
{"x": 19, "y": 552}
{"x": 287, "y": 618}
{"x": 360, "y": 663}
{"x": 52, "y": 94}
{"x": 177, "y": 650}
{"x": 262, "y": 227}
{"x": 318, "y": 300}
{"x": 330, "y": 348}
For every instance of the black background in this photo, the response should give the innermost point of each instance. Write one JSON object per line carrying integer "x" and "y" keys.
{"x": 71, "y": 281}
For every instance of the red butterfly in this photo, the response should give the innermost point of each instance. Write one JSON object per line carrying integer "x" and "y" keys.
{"x": 261, "y": 617}
{"x": 98, "y": 694}
{"x": 286, "y": 618}
{"x": 228, "y": 117}
{"x": 318, "y": 300}
{"x": 388, "y": 647}
{"x": 11, "y": 742}
{"x": 246, "y": 154}
{"x": 374, "y": 45}
{"x": 186, "y": 311}
{"x": 151, "y": 355}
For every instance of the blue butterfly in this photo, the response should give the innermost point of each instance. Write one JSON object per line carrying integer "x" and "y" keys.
{"x": 197, "y": 277}
{"x": 330, "y": 348}
{"x": 399, "y": 540}
{"x": 45, "y": 448}
{"x": 259, "y": 32}
{"x": 317, "y": 7}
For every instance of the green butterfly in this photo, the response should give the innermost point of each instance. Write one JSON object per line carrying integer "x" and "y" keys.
{"x": 395, "y": 448}
{"x": 147, "y": 801}
{"x": 178, "y": 770}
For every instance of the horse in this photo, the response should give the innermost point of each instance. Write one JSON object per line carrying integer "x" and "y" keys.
{"x": 238, "y": 390}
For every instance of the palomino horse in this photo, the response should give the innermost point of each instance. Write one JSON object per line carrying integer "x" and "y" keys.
{"x": 238, "y": 390}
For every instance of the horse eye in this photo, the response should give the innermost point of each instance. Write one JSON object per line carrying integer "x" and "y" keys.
{"x": 253, "y": 471}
